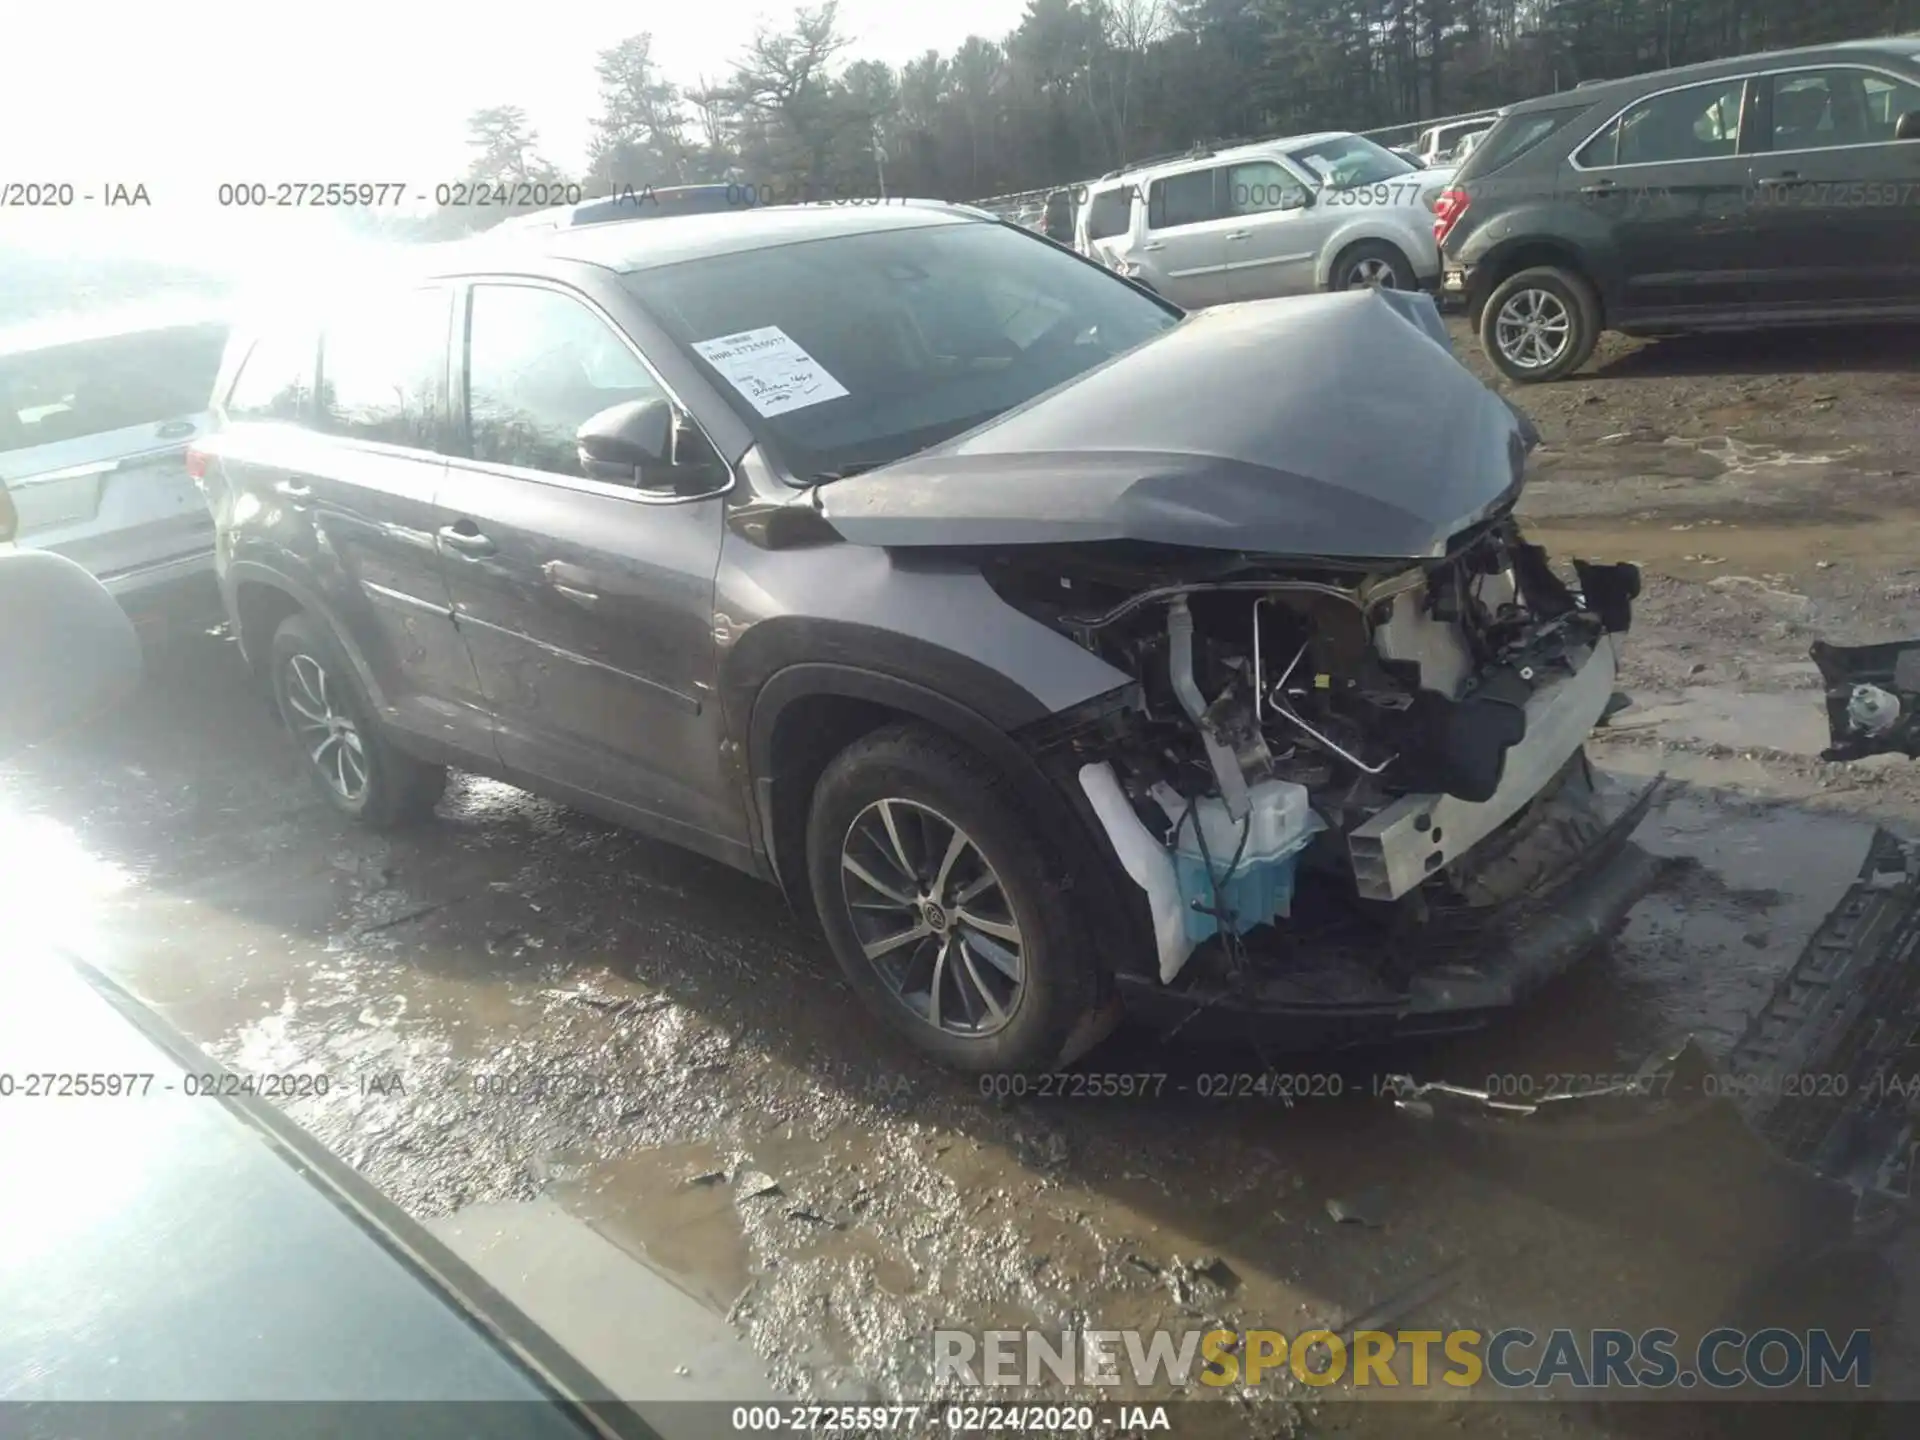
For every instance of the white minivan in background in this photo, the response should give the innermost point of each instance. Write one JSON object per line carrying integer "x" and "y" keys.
{"x": 96, "y": 412}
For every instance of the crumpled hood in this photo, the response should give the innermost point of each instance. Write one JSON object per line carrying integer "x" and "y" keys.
{"x": 1328, "y": 425}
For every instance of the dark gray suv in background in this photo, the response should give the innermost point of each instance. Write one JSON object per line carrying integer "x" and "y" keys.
{"x": 1775, "y": 189}
{"x": 1041, "y": 640}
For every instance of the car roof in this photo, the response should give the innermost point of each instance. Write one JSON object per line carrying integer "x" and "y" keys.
{"x": 641, "y": 244}
{"x": 646, "y": 203}
{"x": 1227, "y": 155}
{"x": 1905, "y": 47}
{"x": 74, "y": 328}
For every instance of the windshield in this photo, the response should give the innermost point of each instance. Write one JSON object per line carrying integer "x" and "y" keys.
{"x": 855, "y": 351}
{"x": 1347, "y": 161}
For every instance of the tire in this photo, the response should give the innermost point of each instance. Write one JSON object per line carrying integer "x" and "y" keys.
{"x": 1565, "y": 306}
{"x": 1375, "y": 264}
{"x": 926, "y": 788}
{"x": 324, "y": 709}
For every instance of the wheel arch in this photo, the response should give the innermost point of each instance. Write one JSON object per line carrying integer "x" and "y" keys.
{"x": 263, "y": 598}
{"x": 1361, "y": 230}
{"x": 1510, "y": 258}
{"x": 809, "y": 711}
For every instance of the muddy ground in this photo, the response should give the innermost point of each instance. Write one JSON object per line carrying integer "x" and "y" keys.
{"x": 578, "y": 1014}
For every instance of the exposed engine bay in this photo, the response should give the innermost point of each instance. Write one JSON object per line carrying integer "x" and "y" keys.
{"x": 1378, "y": 720}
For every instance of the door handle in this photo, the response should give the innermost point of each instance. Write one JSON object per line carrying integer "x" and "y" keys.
{"x": 1154, "y": 245}
{"x": 1239, "y": 234}
{"x": 293, "y": 489}
{"x": 468, "y": 541}
{"x": 1785, "y": 177}
{"x": 1599, "y": 187}
{"x": 175, "y": 430}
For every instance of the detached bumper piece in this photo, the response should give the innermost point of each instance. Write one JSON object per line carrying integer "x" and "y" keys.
{"x": 1801, "y": 1142}
{"x": 1873, "y": 698}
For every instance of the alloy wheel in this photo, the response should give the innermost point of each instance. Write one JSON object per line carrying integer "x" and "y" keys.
{"x": 932, "y": 917}
{"x": 325, "y": 731}
{"x": 1533, "y": 329}
{"x": 1374, "y": 273}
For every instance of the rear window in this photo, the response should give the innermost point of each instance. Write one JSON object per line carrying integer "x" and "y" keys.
{"x": 1110, "y": 214}
{"x": 1514, "y": 135}
{"x": 116, "y": 383}
{"x": 276, "y": 379}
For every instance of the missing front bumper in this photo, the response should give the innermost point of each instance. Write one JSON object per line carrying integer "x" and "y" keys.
{"x": 1330, "y": 988}
{"x": 1418, "y": 835}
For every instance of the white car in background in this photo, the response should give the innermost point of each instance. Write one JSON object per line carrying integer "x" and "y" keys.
{"x": 1332, "y": 211}
{"x": 1452, "y": 142}
{"x": 96, "y": 413}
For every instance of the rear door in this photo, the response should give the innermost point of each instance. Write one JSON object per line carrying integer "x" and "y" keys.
{"x": 93, "y": 438}
{"x": 1184, "y": 252}
{"x": 1278, "y": 231}
{"x": 371, "y": 490}
{"x": 587, "y": 605}
{"x": 1667, "y": 178}
{"x": 1836, "y": 199}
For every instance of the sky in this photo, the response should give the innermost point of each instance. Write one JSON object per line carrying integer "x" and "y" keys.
{"x": 182, "y": 97}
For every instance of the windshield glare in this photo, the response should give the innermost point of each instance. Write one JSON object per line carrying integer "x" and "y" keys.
{"x": 1349, "y": 160}
{"x": 889, "y": 342}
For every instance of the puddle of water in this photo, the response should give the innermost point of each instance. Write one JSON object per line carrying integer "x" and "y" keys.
{"x": 657, "y": 1206}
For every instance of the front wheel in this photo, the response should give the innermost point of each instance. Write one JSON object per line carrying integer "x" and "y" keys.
{"x": 944, "y": 908}
{"x": 352, "y": 764}
{"x": 1540, "y": 324}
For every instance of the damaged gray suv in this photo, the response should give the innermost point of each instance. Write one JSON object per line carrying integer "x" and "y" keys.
{"x": 1063, "y": 654}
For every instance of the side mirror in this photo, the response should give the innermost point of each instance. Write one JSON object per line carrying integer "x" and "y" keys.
{"x": 643, "y": 443}
{"x": 1298, "y": 198}
{"x": 1907, "y": 127}
{"x": 624, "y": 440}
{"x": 9, "y": 517}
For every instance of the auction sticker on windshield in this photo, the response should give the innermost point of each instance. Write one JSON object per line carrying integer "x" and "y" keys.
{"x": 769, "y": 368}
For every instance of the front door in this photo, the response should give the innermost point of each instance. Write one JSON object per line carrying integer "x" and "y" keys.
{"x": 1669, "y": 184}
{"x": 1836, "y": 199}
{"x": 1280, "y": 231}
{"x": 587, "y": 605}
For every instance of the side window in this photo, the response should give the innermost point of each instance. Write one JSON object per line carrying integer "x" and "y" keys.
{"x": 1701, "y": 122}
{"x": 1887, "y": 100}
{"x": 1184, "y": 199}
{"x": 1818, "y": 109}
{"x": 382, "y": 366}
{"x": 539, "y": 365}
{"x": 1110, "y": 214}
{"x": 276, "y": 378}
{"x": 1259, "y": 186}
{"x": 1603, "y": 149}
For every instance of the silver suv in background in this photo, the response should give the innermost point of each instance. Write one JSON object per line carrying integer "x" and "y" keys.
{"x": 96, "y": 413}
{"x": 1281, "y": 217}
